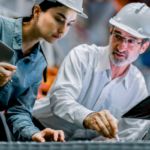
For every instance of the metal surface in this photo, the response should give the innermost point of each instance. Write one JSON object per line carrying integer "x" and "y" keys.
{"x": 87, "y": 145}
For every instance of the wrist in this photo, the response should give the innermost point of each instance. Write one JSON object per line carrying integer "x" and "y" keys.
{"x": 85, "y": 122}
{"x": 85, "y": 127}
{"x": 33, "y": 136}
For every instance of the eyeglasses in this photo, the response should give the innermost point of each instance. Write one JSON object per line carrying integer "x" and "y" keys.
{"x": 129, "y": 40}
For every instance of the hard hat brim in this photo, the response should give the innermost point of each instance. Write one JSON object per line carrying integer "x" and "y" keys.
{"x": 79, "y": 13}
{"x": 126, "y": 28}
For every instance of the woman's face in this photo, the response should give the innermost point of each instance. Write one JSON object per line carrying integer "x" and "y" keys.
{"x": 55, "y": 23}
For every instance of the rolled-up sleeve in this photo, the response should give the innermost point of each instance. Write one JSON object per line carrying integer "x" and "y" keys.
{"x": 19, "y": 114}
{"x": 66, "y": 90}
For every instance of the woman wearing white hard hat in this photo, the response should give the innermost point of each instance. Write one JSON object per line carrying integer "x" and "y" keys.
{"x": 20, "y": 79}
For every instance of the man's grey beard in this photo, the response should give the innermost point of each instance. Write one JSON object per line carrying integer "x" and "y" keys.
{"x": 118, "y": 61}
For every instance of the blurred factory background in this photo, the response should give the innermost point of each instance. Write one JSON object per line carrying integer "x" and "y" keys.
{"x": 94, "y": 30}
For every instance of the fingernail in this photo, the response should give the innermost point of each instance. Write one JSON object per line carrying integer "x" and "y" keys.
{"x": 116, "y": 130}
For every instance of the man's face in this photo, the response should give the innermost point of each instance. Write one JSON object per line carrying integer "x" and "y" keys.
{"x": 124, "y": 47}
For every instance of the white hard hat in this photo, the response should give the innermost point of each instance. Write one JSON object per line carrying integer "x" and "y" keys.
{"x": 133, "y": 18}
{"x": 73, "y": 4}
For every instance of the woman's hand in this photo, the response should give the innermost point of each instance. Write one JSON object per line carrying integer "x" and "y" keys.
{"x": 6, "y": 72}
{"x": 49, "y": 135}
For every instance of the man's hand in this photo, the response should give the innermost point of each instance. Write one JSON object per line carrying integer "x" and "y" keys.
{"x": 49, "y": 135}
{"x": 6, "y": 72}
{"x": 103, "y": 122}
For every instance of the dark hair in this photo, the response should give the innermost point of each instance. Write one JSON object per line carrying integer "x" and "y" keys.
{"x": 45, "y": 5}
{"x": 145, "y": 40}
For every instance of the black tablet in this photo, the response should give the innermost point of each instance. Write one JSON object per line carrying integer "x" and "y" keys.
{"x": 6, "y": 53}
{"x": 139, "y": 111}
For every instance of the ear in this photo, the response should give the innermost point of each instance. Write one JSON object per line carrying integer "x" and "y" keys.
{"x": 111, "y": 30}
{"x": 145, "y": 46}
{"x": 36, "y": 12}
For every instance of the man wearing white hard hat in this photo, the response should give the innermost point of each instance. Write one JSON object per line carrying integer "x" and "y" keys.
{"x": 96, "y": 84}
{"x": 20, "y": 78}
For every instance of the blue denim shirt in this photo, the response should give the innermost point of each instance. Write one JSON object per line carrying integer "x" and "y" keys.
{"x": 18, "y": 96}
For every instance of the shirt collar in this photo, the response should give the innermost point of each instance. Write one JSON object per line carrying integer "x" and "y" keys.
{"x": 17, "y": 38}
{"x": 104, "y": 62}
{"x": 126, "y": 76}
{"x": 34, "y": 53}
{"x": 104, "y": 65}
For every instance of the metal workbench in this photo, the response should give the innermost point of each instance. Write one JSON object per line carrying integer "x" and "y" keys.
{"x": 79, "y": 145}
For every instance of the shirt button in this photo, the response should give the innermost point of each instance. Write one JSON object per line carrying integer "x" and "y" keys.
{"x": 11, "y": 80}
